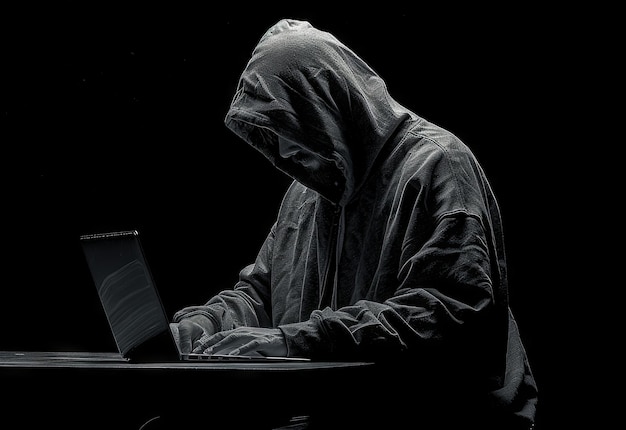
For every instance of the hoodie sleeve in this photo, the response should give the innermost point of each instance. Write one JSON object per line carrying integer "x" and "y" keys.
{"x": 445, "y": 290}
{"x": 247, "y": 304}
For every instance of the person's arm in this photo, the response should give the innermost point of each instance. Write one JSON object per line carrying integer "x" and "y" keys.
{"x": 246, "y": 305}
{"x": 444, "y": 288}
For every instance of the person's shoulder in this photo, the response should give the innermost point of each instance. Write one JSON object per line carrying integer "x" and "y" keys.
{"x": 431, "y": 148}
{"x": 429, "y": 135}
{"x": 297, "y": 195}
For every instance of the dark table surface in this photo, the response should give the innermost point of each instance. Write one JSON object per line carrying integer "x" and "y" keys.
{"x": 113, "y": 360}
{"x": 67, "y": 389}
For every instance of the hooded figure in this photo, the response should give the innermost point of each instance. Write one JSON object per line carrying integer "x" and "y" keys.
{"x": 387, "y": 245}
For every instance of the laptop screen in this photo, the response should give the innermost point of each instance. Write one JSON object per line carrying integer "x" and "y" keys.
{"x": 126, "y": 288}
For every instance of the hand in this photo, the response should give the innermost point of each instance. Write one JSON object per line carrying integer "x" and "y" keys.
{"x": 244, "y": 341}
{"x": 189, "y": 330}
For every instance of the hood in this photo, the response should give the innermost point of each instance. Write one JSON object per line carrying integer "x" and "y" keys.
{"x": 304, "y": 85}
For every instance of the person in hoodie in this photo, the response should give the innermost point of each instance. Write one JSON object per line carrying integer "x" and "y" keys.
{"x": 387, "y": 246}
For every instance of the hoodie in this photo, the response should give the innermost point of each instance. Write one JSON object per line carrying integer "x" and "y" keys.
{"x": 393, "y": 250}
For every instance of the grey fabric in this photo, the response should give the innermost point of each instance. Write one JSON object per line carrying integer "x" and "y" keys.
{"x": 401, "y": 230}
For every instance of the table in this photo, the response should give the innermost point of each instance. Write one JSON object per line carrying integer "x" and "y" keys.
{"x": 65, "y": 389}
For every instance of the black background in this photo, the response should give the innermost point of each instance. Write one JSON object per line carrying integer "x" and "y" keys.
{"x": 113, "y": 119}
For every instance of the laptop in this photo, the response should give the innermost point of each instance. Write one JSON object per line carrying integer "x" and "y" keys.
{"x": 136, "y": 315}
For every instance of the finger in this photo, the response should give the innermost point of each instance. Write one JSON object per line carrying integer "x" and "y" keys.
{"x": 228, "y": 342}
{"x": 253, "y": 347}
{"x": 184, "y": 338}
{"x": 248, "y": 353}
{"x": 207, "y": 341}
